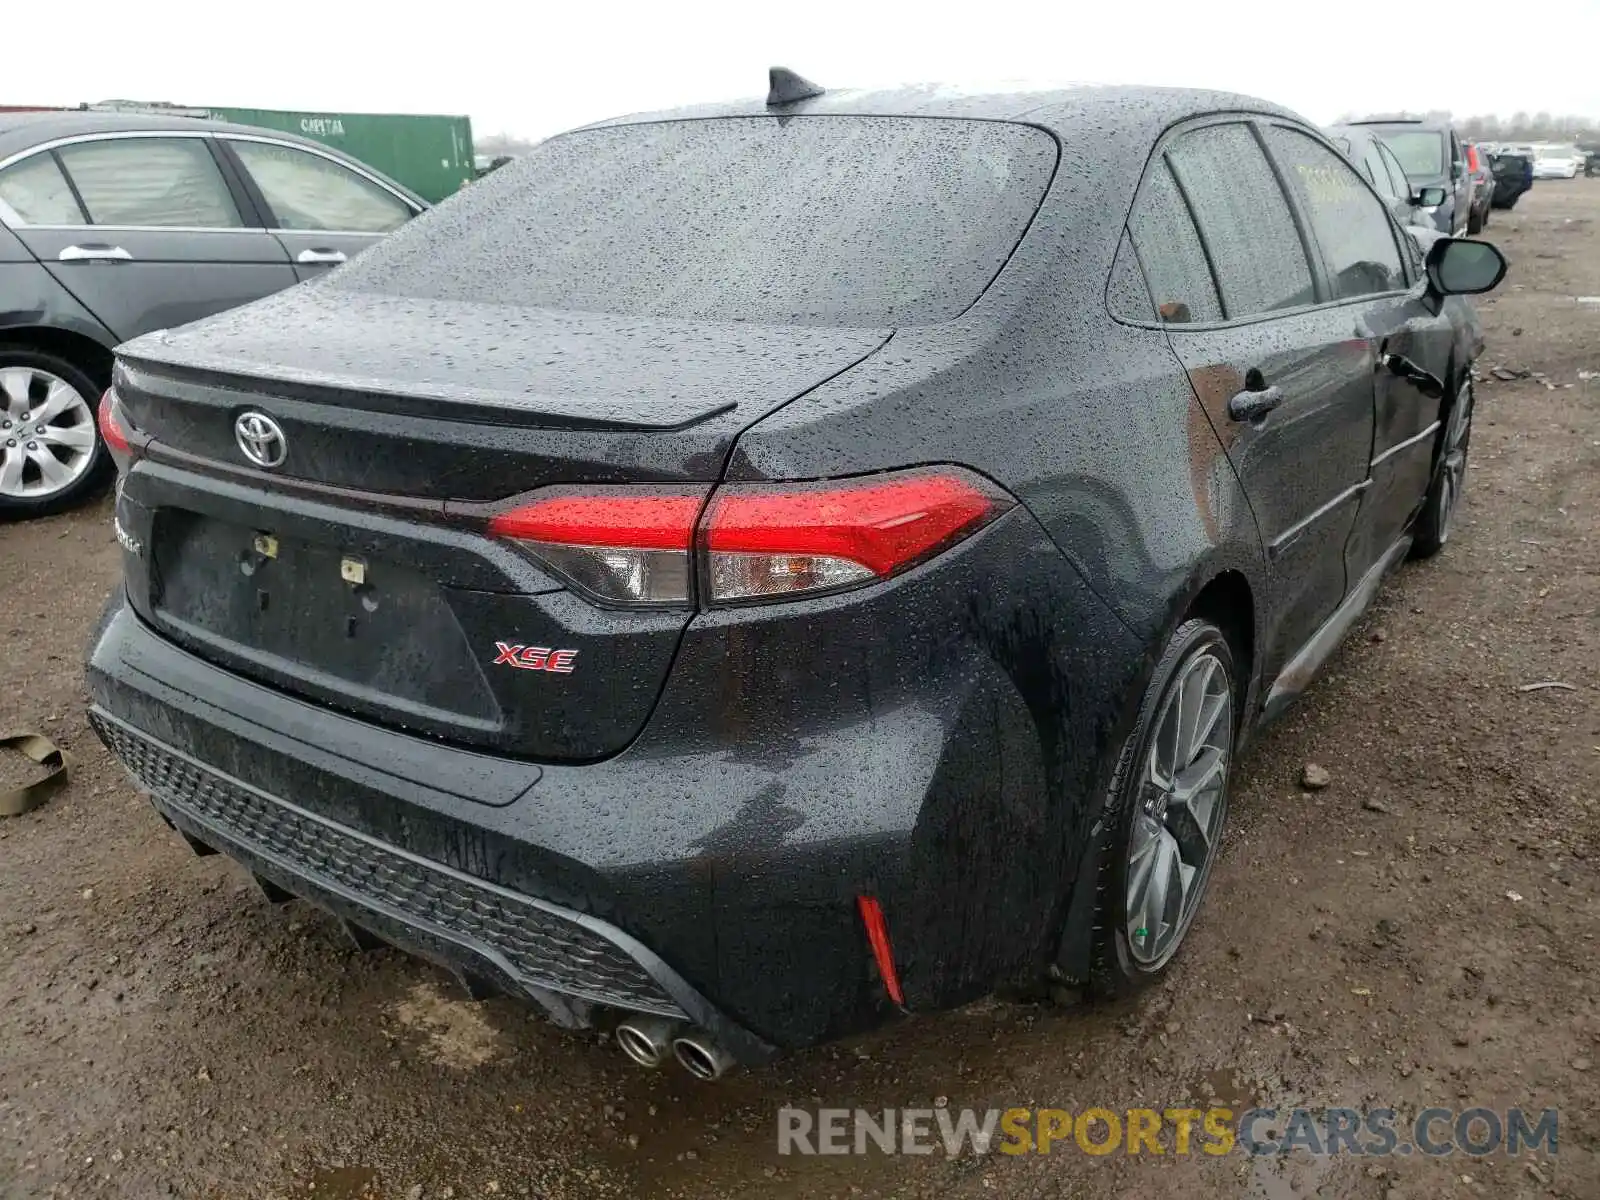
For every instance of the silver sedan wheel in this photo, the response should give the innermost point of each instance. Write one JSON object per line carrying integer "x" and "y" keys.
{"x": 1182, "y": 803}
{"x": 1453, "y": 476}
{"x": 47, "y": 434}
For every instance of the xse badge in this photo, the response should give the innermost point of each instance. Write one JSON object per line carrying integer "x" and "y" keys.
{"x": 536, "y": 658}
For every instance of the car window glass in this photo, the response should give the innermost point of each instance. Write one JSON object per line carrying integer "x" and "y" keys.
{"x": 308, "y": 191}
{"x": 1174, "y": 260}
{"x": 1126, "y": 294}
{"x": 1420, "y": 151}
{"x": 1397, "y": 178}
{"x": 805, "y": 220}
{"x": 1372, "y": 167}
{"x": 36, "y": 191}
{"x": 1351, "y": 224}
{"x": 164, "y": 182}
{"x": 1244, "y": 217}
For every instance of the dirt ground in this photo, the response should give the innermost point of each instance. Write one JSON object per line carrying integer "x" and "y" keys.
{"x": 1421, "y": 932}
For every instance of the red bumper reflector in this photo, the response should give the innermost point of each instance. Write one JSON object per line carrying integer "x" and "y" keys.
{"x": 878, "y": 938}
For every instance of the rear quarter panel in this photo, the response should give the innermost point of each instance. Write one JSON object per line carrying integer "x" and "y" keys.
{"x": 31, "y": 297}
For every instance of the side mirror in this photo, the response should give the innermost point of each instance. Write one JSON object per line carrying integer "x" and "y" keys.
{"x": 1428, "y": 197}
{"x": 1458, "y": 267}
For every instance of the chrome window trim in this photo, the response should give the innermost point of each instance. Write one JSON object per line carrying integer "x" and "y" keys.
{"x": 152, "y": 228}
{"x": 12, "y": 219}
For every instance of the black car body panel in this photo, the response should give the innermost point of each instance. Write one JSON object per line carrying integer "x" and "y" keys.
{"x": 1513, "y": 175}
{"x": 723, "y": 783}
{"x": 35, "y": 300}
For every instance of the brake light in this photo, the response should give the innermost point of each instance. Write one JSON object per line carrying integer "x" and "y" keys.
{"x": 626, "y": 545}
{"x": 112, "y": 430}
{"x": 767, "y": 541}
{"x": 761, "y": 541}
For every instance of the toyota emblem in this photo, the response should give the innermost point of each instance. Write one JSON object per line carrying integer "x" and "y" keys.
{"x": 260, "y": 439}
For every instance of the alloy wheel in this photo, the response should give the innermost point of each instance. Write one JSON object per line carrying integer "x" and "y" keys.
{"x": 47, "y": 434}
{"x": 1182, "y": 802}
{"x": 1453, "y": 463}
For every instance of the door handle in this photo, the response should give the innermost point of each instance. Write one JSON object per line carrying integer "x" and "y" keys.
{"x": 325, "y": 257}
{"x": 1252, "y": 406}
{"x": 94, "y": 252}
{"x": 1429, "y": 384}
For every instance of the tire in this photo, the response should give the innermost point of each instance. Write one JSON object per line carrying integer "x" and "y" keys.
{"x": 1474, "y": 223}
{"x": 51, "y": 464}
{"x": 1433, "y": 524}
{"x": 1150, "y": 836}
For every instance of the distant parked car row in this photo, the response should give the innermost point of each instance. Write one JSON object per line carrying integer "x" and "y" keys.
{"x": 1448, "y": 184}
{"x": 113, "y": 225}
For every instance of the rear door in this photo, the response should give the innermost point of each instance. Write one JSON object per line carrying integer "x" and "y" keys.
{"x": 1236, "y": 284}
{"x": 322, "y": 210}
{"x": 1372, "y": 287}
{"x": 142, "y": 228}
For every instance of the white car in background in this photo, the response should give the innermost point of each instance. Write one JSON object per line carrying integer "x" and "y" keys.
{"x": 1556, "y": 162}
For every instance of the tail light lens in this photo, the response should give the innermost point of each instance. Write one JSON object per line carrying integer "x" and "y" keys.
{"x": 768, "y": 541}
{"x": 636, "y": 545}
{"x": 112, "y": 431}
{"x": 622, "y": 545}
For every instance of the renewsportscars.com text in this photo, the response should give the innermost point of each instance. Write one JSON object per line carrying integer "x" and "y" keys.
{"x": 1434, "y": 1132}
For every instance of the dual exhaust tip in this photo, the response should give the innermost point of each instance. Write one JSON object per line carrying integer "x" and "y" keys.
{"x": 650, "y": 1041}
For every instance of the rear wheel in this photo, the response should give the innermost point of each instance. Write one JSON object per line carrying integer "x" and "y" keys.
{"x": 50, "y": 451}
{"x": 1166, "y": 810}
{"x": 1449, "y": 477}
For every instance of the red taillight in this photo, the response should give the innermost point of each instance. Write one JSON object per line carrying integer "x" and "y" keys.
{"x": 112, "y": 431}
{"x": 628, "y": 545}
{"x": 636, "y": 544}
{"x": 766, "y": 541}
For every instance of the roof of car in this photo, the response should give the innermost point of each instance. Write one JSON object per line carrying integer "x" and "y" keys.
{"x": 1105, "y": 110}
{"x": 20, "y": 130}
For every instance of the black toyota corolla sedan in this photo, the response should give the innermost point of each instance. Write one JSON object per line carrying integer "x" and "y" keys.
{"x": 740, "y": 575}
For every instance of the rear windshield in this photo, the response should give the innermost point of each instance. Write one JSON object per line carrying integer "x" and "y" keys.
{"x": 871, "y": 221}
{"x": 1420, "y": 151}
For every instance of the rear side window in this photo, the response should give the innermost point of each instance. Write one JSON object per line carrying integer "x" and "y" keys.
{"x": 871, "y": 221}
{"x": 1174, "y": 260}
{"x": 1256, "y": 251}
{"x": 36, "y": 191}
{"x": 308, "y": 191}
{"x": 160, "y": 182}
{"x": 1351, "y": 224}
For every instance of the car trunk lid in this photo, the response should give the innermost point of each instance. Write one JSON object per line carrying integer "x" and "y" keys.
{"x": 360, "y": 572}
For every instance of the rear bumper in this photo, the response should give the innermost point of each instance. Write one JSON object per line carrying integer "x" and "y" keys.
{"x": 564, "y": 961}
{"x": 947, "y": 765}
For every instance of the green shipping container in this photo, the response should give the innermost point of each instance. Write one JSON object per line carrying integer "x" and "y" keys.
{"x": 431, "y": 155}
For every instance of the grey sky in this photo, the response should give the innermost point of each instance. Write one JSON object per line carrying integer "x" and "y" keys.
{"x": 535, "y": 69}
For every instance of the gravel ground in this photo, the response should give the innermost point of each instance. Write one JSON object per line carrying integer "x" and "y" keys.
{"x": 1422, "y": 931}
